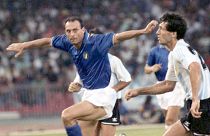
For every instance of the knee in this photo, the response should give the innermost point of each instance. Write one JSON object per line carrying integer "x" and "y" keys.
{"x": 170, "y": 121}
{"x": 66, "y": 116}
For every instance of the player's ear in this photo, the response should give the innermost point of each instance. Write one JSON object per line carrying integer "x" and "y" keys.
{"x": 83, "y": 29}
{"x": 174, "y": 34}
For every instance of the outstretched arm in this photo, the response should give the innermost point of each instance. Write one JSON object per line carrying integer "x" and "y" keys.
{"x": 20, "y": 47}
{"x": 134, "y": 33}
{"x": 159, "y": 88}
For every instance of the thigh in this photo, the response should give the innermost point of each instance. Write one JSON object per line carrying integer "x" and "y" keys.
{"x": 105, "y": 97}
{"x": 198, "y": 125}
{"x": 115, "y": 119}
{"x": 84, "y": 111}
{"x": 173, "y": 113}
{"x": 176, "y": 129}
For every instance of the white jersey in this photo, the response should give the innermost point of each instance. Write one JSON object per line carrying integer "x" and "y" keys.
{"x": 179, "y": 60}
{"x": 118, "y": 73}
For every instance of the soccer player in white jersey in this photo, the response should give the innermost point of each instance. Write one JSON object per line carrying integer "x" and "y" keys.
{"x": 171, "y": 102}
{"x": 187, "y": 67}
{"x": 119, "y": 77}
{"x": 90, "y": 56}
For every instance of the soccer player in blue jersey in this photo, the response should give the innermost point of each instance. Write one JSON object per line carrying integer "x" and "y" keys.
{"x": 186, "y": 66}
{"x": 171, "y": 102}
{"x": 120, "y": 78}
{"x": 90, "y": 55}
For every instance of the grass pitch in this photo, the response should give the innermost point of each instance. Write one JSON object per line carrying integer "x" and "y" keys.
{"x": 141, "y": 130}
{"x": 133, "y": 130}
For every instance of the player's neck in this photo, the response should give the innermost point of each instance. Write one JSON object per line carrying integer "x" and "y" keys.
{"x": 172, "y": 44}
{"x": 78, "y": 46}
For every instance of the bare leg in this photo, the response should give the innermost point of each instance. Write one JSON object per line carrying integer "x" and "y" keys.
{"x": 177, "y": 129}
{"x": 108, "y": 130}
{"x": 172, "y": 115}
{"x": 98, "y": 129}
{"x": 88, "y": 127}
{"x": 81, "y": 111}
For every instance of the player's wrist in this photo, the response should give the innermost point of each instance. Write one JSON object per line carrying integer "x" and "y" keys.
{"x": 144, "y": 31}
{"x": 25, "y": 45}
{"x": 195, "y": 99}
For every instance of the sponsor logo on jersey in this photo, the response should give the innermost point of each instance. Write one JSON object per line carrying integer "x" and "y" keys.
{"x": 85, "y": 55}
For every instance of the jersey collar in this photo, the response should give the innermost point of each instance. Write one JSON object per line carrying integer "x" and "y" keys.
{"x": 86, "y": 38}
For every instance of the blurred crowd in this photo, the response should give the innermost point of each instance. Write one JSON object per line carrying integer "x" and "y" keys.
{"x": 25, "y": 20}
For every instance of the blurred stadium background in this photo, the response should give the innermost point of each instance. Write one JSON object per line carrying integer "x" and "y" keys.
{"x": 33, "y": 88}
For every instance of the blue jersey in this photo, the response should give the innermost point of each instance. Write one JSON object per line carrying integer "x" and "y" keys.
{"x": 159, "y": 55}
{"x": 91, "y": 59}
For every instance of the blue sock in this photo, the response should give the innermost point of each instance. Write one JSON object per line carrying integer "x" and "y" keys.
{"x": 74, "y": 130}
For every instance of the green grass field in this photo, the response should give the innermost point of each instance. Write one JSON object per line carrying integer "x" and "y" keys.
{"x": 137, "y": 130}
{"x": 141, "y": 130}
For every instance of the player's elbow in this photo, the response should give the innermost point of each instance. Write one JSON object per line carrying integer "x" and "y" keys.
{"x": 169, "y": 89}
{"x": 127, "y": 83}
{"x": 170, "y": 86}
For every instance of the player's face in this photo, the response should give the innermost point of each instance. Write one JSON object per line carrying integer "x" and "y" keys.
{"x": 164, "y": 36}
{"x": 74, "y": 32}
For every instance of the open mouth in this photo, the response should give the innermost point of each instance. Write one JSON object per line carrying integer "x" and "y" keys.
{"x": 73, "y": 40}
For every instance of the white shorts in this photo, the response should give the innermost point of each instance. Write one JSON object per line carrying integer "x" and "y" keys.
{"x": 174, "y": 98}
{"x": 105, "y": 97}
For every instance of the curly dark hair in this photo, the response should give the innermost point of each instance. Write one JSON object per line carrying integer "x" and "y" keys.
{"x": 175, "y": 23}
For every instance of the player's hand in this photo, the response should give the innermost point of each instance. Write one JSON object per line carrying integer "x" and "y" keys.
{"x": 130, "y": 94}
{"x": 195, "y": 108}
{"x": 156, "y": 67}
{"x": 16, "y": 47}
{"x": 151, "y": 26}
{"x": 74, "y": 87}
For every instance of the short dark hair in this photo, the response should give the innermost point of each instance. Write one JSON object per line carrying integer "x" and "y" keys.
{"x": 175, "y": 23}
{"x": 95, "y": 31}
{"x": 74, "y": 18}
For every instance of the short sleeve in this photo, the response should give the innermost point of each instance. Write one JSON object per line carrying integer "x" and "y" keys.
{"x": 120, "y": 71}
{"x": 61, "y": 42}
{"x": 170, "y": 75}
{"x": 184, "y": 56}
{"x": 104, "y": 42}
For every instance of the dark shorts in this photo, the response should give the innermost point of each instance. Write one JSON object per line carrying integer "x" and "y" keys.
{"x": 198, "y": 125}
{"x": 115, "y": 119}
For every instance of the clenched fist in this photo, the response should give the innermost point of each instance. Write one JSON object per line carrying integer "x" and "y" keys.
{"x": 130, "y": 94}
{"x": 74, "y": 87}
{"x": 151, "y": 26}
